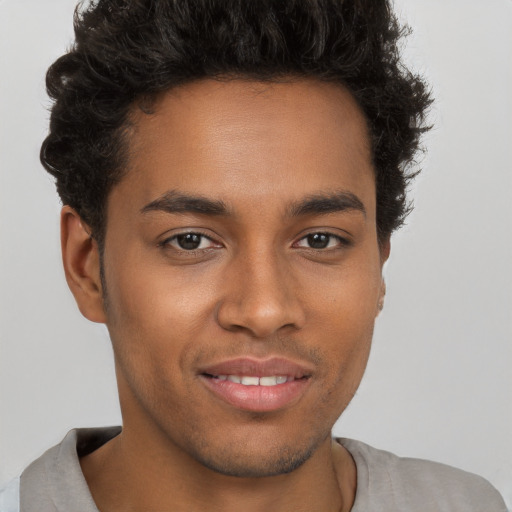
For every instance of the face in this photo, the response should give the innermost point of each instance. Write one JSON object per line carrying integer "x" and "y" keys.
{"x": 242, "y": 271}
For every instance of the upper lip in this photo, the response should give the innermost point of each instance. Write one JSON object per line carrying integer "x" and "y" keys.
{"x": 259, "y": 367}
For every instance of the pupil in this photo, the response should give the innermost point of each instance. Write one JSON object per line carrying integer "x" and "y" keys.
{"x": 189, "y": 241}
{"x": 318, "y": 240}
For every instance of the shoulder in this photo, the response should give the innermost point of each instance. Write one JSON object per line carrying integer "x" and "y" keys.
{"x": 415, "y": 484}
{"x": 55, "y": 481}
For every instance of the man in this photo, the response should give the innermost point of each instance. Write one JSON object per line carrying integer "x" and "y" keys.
{"x": 231, "y": 174}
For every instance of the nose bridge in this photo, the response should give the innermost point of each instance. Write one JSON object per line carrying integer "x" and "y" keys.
{"x": 261, "y": 296}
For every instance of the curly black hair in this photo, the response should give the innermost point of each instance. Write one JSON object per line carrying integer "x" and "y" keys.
{"x": 127, "y": 51}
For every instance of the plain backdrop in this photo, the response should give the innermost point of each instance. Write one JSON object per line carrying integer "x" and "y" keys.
{"x": 439, "y": 381}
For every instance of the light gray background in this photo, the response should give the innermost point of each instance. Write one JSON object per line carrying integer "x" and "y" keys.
{"x": 439, "y": 382}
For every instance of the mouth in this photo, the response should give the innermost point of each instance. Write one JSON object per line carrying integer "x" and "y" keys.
{"x": 257, "y": 386}
{"x": 250, "y": 380}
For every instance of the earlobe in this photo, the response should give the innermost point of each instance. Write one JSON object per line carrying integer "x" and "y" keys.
{"x": 382, "y": 294}
{"x": 81, "y": 259}
{"x": 385, "y": 248}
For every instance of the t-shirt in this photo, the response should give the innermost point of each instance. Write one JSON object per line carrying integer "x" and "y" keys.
{"x": 385, "y": 482}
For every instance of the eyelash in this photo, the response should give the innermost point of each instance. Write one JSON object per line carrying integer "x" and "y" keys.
{"x": 342, "y": 242}
{"x": 168, "y": 241}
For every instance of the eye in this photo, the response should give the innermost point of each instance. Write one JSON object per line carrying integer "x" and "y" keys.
{"x": 190, "y": 242}
{"x": 321, "y": 241}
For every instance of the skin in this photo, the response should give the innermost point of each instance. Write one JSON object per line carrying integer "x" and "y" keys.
{"x": 254, "y": 287}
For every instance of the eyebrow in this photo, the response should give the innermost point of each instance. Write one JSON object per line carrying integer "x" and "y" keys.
{"x": 319, "y": 204}
{"x": 176, "y": 202}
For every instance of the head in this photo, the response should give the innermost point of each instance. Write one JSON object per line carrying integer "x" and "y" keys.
{"x": 127, "y": 53}
{"x": 232, "y": 172}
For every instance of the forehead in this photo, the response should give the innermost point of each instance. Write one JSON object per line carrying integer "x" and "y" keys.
{"x": 252, "y": 140}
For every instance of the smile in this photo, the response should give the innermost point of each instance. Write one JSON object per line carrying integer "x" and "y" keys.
{"x": 249, "y": 380}
{"x": 255, "y": 385}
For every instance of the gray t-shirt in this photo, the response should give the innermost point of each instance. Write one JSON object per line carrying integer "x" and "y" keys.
{"x": 385, "y": 482}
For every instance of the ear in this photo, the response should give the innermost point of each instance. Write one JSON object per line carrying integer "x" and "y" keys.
{"x": 382, "y": 294}
{"x": 385, "y": 248}
{"x": 81, "y": 259}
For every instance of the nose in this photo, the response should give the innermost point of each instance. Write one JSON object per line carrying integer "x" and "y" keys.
{"x": 261, "y": 297}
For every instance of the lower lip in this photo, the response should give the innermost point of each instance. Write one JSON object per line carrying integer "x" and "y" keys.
{"x": 257, "y": 398}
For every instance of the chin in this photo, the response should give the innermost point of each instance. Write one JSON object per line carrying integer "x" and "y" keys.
{"x": 257, "y": 466}
{"x": 259, "y": 455}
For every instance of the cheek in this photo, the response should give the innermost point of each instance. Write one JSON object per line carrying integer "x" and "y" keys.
{"x": 158, "y": 318}
{"x": 347, "y": 352}
{"x": 158, "y": 298}
{"x": 153, "y": 322}
{"x": 344, "y": 320}
{"x": 346, "y": 297}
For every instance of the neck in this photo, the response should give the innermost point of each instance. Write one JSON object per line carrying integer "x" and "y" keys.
{"x": 128, "y": 475}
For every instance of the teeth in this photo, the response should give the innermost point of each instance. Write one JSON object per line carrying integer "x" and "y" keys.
{"x": 247, "y": 380}
{"x": 269, "y": 381}
{"x": 250, "y": 381}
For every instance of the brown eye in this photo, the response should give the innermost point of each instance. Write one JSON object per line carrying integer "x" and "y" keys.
{"x": 189, "y": 241}
{"x": 321, "y": 241}
{"x": 318, "y": 240}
